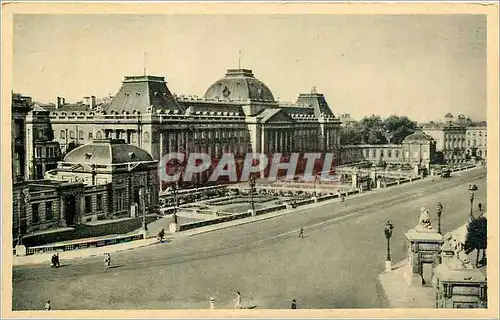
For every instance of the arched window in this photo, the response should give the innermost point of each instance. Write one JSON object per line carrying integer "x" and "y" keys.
{"x": 146, "y": 136}
{"x": 98, "y": 135}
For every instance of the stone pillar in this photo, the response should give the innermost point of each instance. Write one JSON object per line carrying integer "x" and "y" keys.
{"x": 62, "y": 218}
{"x": 423, "y": 246}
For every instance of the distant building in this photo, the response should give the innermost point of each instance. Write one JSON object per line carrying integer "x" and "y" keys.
{"x": 417, "y": 148}
{"x": 346, "y": 120}
{"x": 21, "y": 106}
{"x": 42, "y": 151}
{"x": 102, "y": 180}
{"x": 477, "y": 141}
{"x": 450, "y": 141}
{"x": 459, "y": 139}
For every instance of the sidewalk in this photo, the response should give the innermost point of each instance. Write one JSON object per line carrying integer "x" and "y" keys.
{"x": 82, "y": 253}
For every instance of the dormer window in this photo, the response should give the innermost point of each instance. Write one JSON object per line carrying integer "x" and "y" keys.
{"x": 88, "y": 156}
{"x": 131, "y": 155}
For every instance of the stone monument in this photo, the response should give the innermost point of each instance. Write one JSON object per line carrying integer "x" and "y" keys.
{"x": 459, "y": 284}
{"x": 424, "y": 245}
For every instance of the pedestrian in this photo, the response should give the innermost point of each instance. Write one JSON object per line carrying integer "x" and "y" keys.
{"x": 301, "y": 233}
{"x": 107, "y": 260}
{"x": 294, "y": 304}
{"x": 161, "y": 234}
{"x": 212, "y": 303}
{"x": 57, "y": 260}
{"x": 480, "y": 206}
{"x": 47, "y": 306}
{"x": 237, "y": 301}
{"x": 53, "y": 261}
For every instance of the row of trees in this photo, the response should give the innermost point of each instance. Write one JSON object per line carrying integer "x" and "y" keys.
{"x": 375, "y": 130}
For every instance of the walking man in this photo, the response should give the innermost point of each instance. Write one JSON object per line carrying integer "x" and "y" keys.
{"x": 294, "y": 304}
{"x": 161, "y": 234}
{"x": 47, "y": 306}
{"x": 480, "y": 206}
{"x": 301, "y": 233}
{"x": 237, "y": 301}
{"x": 107, "y": 260}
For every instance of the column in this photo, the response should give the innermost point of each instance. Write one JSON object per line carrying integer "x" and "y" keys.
{"x": 161, "y": 144}
{"x": 62, "y": 220}
{"x": 276, "y": 141}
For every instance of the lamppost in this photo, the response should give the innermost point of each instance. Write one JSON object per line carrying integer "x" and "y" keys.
{"x": 314, "y": 184}
{"x": 439, "y": 212}
{"x": 472, "y": 188}
{"x": 251, "y": 182}
{"x": 388, "y": 233}
{"x": 143, "y": 196}
{"x": 176, "y": 199}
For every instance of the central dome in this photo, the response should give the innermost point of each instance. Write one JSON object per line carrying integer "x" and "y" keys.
{"x": 239, "y": 85}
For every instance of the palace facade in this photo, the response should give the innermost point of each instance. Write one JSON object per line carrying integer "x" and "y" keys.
{"x": 237, "y": 114}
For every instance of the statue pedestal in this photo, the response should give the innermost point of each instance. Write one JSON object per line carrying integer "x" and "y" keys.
{"x": 460, "y": 286}
{"x": 145, "y": 234}
{"x": 20, "y": 250}
{"x": 314, "y": 199}
{"x": 252, "y": 212}
{"x": 388, "y": 266}
{"x": 423, "y": 246}
{"x": 173, "y": 227}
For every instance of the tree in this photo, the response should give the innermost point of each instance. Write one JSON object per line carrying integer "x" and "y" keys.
{"x": 477, "y": 237}
{"x": 371, "y": 130}
{"x": 397, "y": 128}
{"x": 350, "y": 135}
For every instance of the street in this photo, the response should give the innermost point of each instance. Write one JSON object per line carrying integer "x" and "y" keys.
{"x": 335, "y": 265}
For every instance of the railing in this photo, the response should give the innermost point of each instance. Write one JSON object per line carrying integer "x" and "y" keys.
{"x": 84, "y": 244}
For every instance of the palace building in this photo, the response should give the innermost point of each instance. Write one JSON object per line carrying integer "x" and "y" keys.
{"x": 238, "y": 114}
{"x": 106, "y": 179}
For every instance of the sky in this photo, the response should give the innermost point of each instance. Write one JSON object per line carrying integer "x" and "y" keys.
{"x": 421, "y": 66}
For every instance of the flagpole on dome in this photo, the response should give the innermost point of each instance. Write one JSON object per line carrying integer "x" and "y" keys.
{"x": 239, "y": 59}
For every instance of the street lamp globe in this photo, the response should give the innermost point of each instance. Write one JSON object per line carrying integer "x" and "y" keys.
{"x": 388, "y": 230}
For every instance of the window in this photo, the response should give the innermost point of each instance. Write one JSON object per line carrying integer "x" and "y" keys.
{"x": 99, "y": 135}
{"x": 367, "y": 153}
{"x": 62, "y": 135}
{"x": 381, "y": 153}
{"x": 90, "y": 135}
{"x": 34, "y": 212}
{"x": 99, "y": 202}
{"x": 80, "y": 134}
{"x": 48, "y": 210}
{"x": 71, "y": 134}
{"x": 88, "y": 204}
{"x": 374, "y": 153}
{"x": 397, "y": 153}
{"x": 389, "y": 153}
{"x": 38, "y": 152}
{"x": 119, "y": 200}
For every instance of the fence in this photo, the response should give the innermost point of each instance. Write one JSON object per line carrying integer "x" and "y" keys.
{"x": 84, "y": 244}
{"x": 209, "y": 222}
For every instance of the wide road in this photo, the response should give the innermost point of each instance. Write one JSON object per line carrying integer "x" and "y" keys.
{"x": 334, "y": 266}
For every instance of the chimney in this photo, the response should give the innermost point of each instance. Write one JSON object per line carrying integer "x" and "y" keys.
{"x": 93, "y": 102}
{"x": 58, "y": 102}
{"x": 86, "y": 101}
